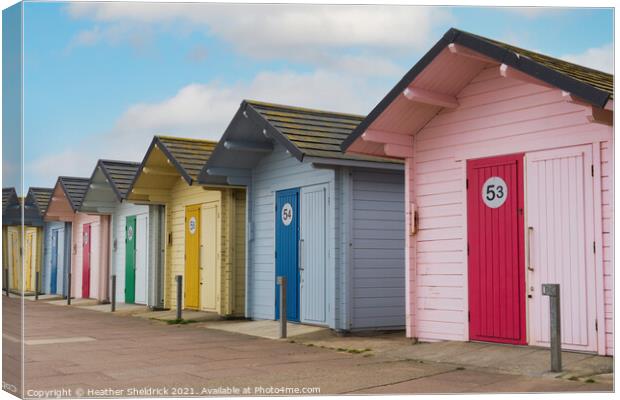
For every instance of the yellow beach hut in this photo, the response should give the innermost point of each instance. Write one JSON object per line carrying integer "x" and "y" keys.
{"x": 204, "y": 226}
{"x": 33, "y": 205}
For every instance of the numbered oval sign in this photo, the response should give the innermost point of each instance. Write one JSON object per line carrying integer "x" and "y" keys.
{"x": 192, "y": 225}
{"x": 287, "y": 214}
{"x": 494, "y": 192}
{"x": 130, "y": 233}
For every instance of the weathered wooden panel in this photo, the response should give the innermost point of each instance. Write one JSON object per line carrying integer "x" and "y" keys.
{"x": 378, "y": 269}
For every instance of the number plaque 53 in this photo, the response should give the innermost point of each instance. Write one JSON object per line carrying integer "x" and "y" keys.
{"x": 494, "y": 192}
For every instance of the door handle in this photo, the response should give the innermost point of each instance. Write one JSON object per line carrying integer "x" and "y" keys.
{"x": 530, "y": 231}
{"x": 301, "y": 257}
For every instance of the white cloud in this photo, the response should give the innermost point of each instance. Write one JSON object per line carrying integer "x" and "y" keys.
{"x": 532, "y": 12}
{"x": 289, "y": 30}
{"x": 204, "y": 111}
{"x": 599, "y": 58}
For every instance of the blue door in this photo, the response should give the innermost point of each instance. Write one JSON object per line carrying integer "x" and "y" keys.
{"x": 54, "y": 266}
{"x": 287, "y": 242}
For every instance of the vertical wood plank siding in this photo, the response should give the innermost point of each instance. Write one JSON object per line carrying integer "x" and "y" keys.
{"x": 122, "y": 211}
{"x": 365, "y": 273}
{"x": 230, "y": 262}
{"x": 495, "y": 116}
{"x": 378, "y": 274}
{"x": 608, "y": 241}
{"x": 76, "y": 255}
{"x": 278, "y": 171}
{"x": 47, "y": 255}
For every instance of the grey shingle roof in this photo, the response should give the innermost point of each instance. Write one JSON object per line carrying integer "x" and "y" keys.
{"x": 75, "y": 189}
{"x": 188, "y": 155}
{"x": 120, "y": 174}
{"x": 8, "y": 195}
{"x": 41, "y": 197}
{"x": 313, "y": 133}
{"x": 598, "y": 79}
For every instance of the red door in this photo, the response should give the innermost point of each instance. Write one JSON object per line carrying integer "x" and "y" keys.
{"x": 496, "y": 270}
{"x": 86, "y": 260}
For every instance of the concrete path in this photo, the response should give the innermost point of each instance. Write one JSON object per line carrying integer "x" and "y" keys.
{"x": 507, "y": 359}
{"x": 264, "y": 329}
{"x": 75, "y": 352}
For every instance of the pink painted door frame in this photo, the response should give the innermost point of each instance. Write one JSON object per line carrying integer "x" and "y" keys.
{"x": 86, "y": 241}
{"x": 560, "y": 219}
{"x": 496, "y": 269}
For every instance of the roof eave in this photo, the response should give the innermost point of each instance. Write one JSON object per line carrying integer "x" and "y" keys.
{"x": 107, "y": 175}
{"x": 273, "y": 131}
{"x": 585, "y": 92}
{"x": 173, "y": 160}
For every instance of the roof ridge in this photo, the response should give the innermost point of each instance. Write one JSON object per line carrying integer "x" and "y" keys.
{"x": 311, "y": 110}
{"x": 186, "y": 139}
{"x": 103, "y": 160}
{"x": 525, "y": 51}
{"x": 39, "y": 188}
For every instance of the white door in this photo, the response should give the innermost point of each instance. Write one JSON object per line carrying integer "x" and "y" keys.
{"x": 142, "y": 231}
{"x": 560, "y": 237}
{"x": 209, "y": 255}
{"x": 313, "y": 254}
{"x": 60, "y": 262}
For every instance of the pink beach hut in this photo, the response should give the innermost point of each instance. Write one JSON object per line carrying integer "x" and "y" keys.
{"x": 509, "y": 186}
{"x": 89, "y": 240}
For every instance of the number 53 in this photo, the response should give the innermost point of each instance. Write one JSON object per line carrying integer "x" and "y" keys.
{"x": 497, "y": 193}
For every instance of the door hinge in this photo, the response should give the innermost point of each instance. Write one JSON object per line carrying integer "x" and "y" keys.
{"x": 592, "y": 169}
{"x": 596, "y": 325}
{"x": 467, "y": 248}
{"x": 466, "y": 183}
{"x": 594, "y": 247}
{"x": 468, "y": 316}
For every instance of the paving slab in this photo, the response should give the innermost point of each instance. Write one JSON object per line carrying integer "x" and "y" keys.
{"x": 120, "y": 308}
{"x": 264, "y": 328}
{"x": 508, "y": 359}
{"x": 141, "y": 352}
{"x": 188, "y": 315}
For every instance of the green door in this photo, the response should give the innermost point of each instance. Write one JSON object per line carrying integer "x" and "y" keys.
{"x": 130, "y": 260}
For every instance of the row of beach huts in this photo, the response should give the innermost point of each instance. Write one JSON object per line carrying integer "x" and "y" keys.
{"x": 483, "y": 174}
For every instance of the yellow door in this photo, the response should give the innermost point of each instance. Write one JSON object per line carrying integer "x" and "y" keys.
{"x": 210, "y": 254}
{"x": 192, "y": 257}
{"x": 14, "y": 260}
{"x": 28, "y": 260}
{"x": 31, "y": 258}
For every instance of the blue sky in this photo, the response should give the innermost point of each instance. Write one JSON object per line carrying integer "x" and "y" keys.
{"x": 101, "y": 78}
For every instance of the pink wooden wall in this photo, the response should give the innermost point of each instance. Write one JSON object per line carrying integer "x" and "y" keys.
{"x": 99, "y": 264}
{"x": 496, "y": 115}
{"x": 59, "y": 208}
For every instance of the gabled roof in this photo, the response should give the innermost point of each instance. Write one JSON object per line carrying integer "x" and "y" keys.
{"x": 9, "y": 196}
{"x": 75, "y": 189}
{"x": 41, "y": 197}
{"x": 303, "y": 132}
{"x": 307, "y": 132}
{"x": 186, "y": 155}
{"x": 119, "y": 174}
{"x": 589, "y": 85}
